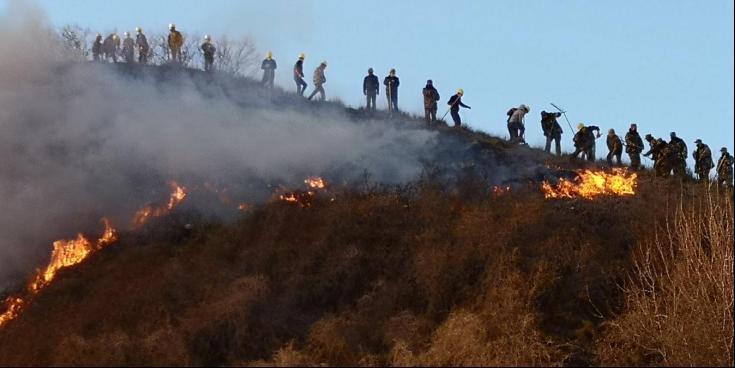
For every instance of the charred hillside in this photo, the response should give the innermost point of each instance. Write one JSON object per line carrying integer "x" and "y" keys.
{"x": 439, "y": 250}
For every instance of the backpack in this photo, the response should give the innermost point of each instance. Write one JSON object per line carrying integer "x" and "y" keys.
{"x": 510, "y": 113}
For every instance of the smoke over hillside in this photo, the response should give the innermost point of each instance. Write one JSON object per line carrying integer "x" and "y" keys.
{"x": 82, "y": 140}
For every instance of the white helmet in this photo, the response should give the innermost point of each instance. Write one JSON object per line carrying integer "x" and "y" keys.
{"x": 207, "y": 38}
{"x": 138, "y": 29}
{"x": 171, "y": 26}
{"x": 126, "y": 34}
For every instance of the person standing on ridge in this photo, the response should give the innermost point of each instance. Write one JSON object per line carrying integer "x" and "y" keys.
{"x": 97, "y": 47}
{"x": 552, "y": 130}
{"x": 516, "y": 123}
{"x": 454, "y": 103}
{"x": 128, "y": 48}
{"x": 679, "y": 155}
{"x": 724, "y": 168}
{"x": 634, "y": 146}
{"x": 319, "y": 80}
{"x": 110, "y": 47}
{"x": 702, "y": 160}
{"x": 615, "y": 148}
{"x": 143, "y": 48}
{"x": 298, "y": 75}
{"x": 370, "y": 88}
{"x": 391, "y": 83}
{"x": 431, "y": 96}
{"x": 269, "y": 70}
{"x": 175, "y": 41}
{"x": 208, "y": 49}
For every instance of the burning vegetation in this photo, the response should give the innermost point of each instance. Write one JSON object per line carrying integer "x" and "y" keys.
{"x": 590, "y": 184}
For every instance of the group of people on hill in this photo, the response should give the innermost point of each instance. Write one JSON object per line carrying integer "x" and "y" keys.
{"x": 669, "y": 157}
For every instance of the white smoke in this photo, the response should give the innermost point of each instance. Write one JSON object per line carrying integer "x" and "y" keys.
{"x": 79, "y": 139}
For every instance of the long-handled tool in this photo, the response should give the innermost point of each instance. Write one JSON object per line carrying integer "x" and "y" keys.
{"x": 565, "y": 116}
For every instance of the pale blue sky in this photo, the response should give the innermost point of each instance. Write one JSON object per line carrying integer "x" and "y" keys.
{"x": 667, "y": 65}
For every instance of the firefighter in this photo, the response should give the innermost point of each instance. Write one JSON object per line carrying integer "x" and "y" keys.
{"x": 702, "y": 160}
{"x": 208, "y": 49}
{"x": 143, "y": 48}
{"x": 431, "y": 96}
{"x": 634, "y": 146}
{"x": 552, "y": 130}
{"x": 724, "y": 168}
{"x": 269, "y": 70}
{"x": 319, "y": 80}
{"x": 584, "y": 141}
{"x": 516, "y": 123}
{"x": 298, "y": 75}
{"x": 110, "y": 47}
{"x": 175, "y": 41}
{"x": 614, "y": 146}
{"x": 679, "y": 155}
{"x": 370, "y": 88}
{"x": 454, "y": 103}
{"x": 128, "y": 48}
{"x": 391, "y": 83}
{"x": 660, "y": 154}
{"x": 97, "y": 47}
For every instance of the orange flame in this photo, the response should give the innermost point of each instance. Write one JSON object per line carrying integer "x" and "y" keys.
{"x": 66, "y": 253}
{"x": 501, "y": 190}
{"x": 590, "y": 184}
{"x": 315, "y": 182}
{"x": 177, "y": 196}
{"x": 243, "y": 206}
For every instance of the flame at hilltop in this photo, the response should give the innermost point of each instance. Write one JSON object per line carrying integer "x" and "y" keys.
{"x": 177, "y": 196}
{"x": 591, "y": 184}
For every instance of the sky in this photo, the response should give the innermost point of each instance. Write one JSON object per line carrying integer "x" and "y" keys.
{"x": 666, "y": 65}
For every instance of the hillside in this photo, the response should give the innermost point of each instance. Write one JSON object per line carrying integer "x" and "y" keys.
{"x": 445, "y": 267}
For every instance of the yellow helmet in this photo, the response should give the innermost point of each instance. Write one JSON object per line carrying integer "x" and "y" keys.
{"x": 460, "y": 91}
{"x": 580, "y": 126}
{"x": 302, "y": 56}
{"x": 270, "y": 55}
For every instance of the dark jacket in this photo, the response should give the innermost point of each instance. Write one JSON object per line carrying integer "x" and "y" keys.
{"x": 455, "y": 102}
{"x": 585, "y": 137}
{"x": 298, "y": 69}
{"x": 393, "y": 82}
{"x": 614, "y": 144}
{"x": 633, "y": 142}
{"x": 549, "y": 124}
{"x": 268, "y": 65}
{"x": 678, "y": 148}
{"x": 431, "y": 96}
{"x": 371, "y": 84}
{"x": 142, "y": 43}
{"x": 97, "y": 46}
{"x": 208, "y": 49}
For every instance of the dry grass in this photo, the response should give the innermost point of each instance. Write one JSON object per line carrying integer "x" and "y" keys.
{"x": 679, "y": 298}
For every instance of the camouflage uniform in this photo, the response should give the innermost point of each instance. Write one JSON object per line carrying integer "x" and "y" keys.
{"x": 634, "y": 147}
{"x": 319, "y": 80}
{"x": 724, "y": 169}
{"x": 175, "y": 41}
{"x": 661, "y": 154}
{"x": 679, "y": 155}
{"x": 703, "y": 161}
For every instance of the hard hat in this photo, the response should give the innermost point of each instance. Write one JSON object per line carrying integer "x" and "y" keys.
{"x": 126, "y": 34}
{"x": 460, "y": 91}
{"x": 270, "y": 54}
{"x": 98, "y": 34}
{"x": 524, "y": 107}
{"x": 207, "y": 37}
{"x": 580, "y": 126}
{"x": 698, "y": 141}
{"x": 114, "y": 35}
{"x": 138, "y": 29}
{"x": 171, "y": 26}
{"x": 611, "y": 131}
{"x": 302, "y": 56}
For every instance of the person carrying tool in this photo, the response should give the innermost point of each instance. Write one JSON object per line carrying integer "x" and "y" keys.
{"x": 431, "y": 96}
{"x": 660, "y": 153}
{"x": 679, "y": 155}
{"x": 454, "y": 103}
{"x": 319, "y": 80}
{"x": 370, "y": 88}
{"x": 175, "y": 41}
{"x": 702, "y": 160}
{"x": 634, "y": 146}
{"x": 298, "y": 75}
{"x": 111, "y": 46}
{"x": 128, "y": 48}
{"x": 391, "y": 83}
{"x": 97, "y": 47}
{"x": 614, "y": 147}
{"x": 143, "y": 48}
{"x": 516, "y": 123}
{"x": 552, "y": 130}
{"x": 584, "y": 141}
{"x": 269, "y": 70}
{"x": 724, "y": 168}
{"x": 209, "y": 50}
